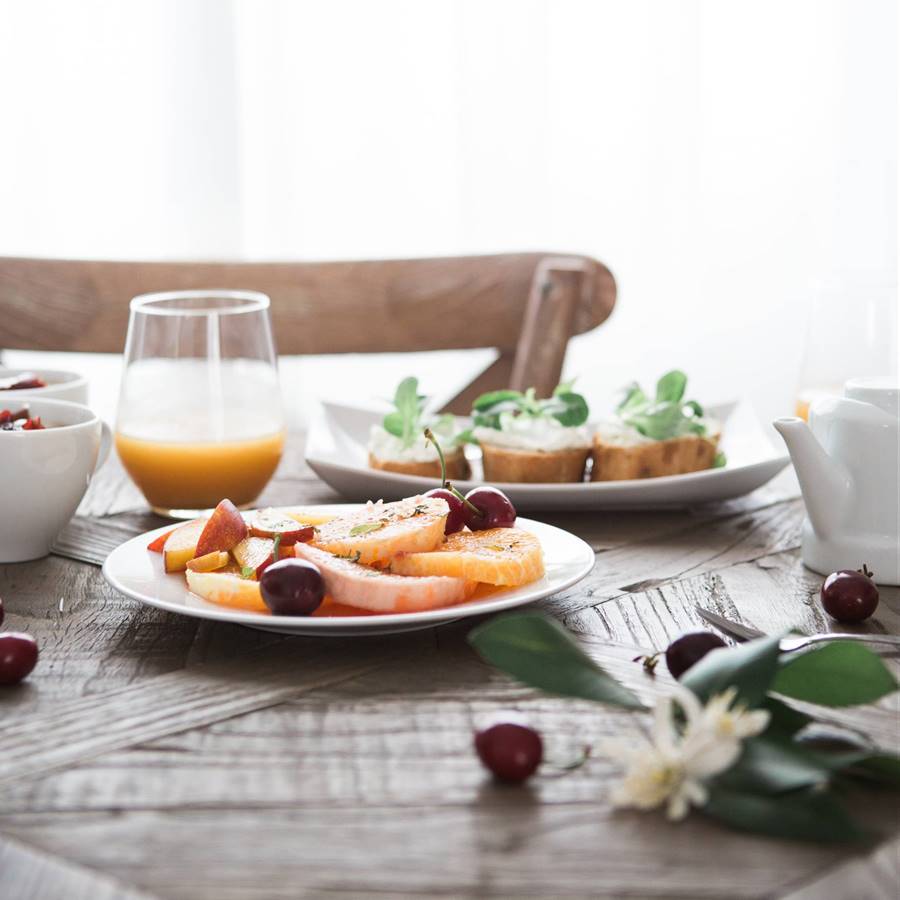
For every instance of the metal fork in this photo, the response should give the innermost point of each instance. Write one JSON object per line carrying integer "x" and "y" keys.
{"x": 746, "y": 633}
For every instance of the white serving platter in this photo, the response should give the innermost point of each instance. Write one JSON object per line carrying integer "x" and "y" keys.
{"x": 336, "y": 451}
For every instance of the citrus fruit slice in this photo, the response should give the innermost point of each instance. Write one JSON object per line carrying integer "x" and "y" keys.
{"x": 502, "y": 556}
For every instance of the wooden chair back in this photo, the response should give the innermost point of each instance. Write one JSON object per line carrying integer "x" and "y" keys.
{"x": 527, "y": 305}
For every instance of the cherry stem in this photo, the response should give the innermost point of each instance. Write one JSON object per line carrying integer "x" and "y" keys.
{"x": 478, "y": 512}
{"x": 429, "y": 436}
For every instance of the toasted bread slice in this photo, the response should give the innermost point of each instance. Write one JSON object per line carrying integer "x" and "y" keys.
{"x": 379, "y": 531}
{"x": 618, "y": 461}
{"x": 502, "y": 556}
{"x": 533, "y": 466}
{"x": 457, "y": 466}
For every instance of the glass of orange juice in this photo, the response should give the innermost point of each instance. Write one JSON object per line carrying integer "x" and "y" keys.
{"x": 200, "y": 415}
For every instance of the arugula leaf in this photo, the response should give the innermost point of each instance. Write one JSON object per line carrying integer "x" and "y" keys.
{"x": 670, "y": 388}
{"x": 404, "y": 424}
{"x": 575, "y": 409}
{"x": 540, "y": 652}
{"x": 494, "y": 398}
{"x": 634, "y": 398}
{"x": 668, "y": 416}
{"x": 567, "y": 407}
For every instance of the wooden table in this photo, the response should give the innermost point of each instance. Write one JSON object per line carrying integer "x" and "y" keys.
{"x": 152, "y": 754}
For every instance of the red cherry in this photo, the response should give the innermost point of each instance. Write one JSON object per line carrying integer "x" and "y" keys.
{"x": 512, "y": 752}
{"x": 18, "y": 656}
{"x": 849, "y": 596}
{"x": 495, "y": 510}
{"x": 456, "y": 519}
{"x": 689, "y": 649}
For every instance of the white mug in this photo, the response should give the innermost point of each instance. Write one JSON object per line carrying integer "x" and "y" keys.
{"x": 44, "y": 474}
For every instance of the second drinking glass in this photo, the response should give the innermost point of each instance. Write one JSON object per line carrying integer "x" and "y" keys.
{"x": 200, "y": 415}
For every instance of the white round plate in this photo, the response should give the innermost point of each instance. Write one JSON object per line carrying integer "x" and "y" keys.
{"x": 136, "y": 572}
{"x": 336, "y": 451}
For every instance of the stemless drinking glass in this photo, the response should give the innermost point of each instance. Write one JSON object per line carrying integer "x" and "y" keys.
{"x": 850, "y": 333}
{"x": 200, "y": 415}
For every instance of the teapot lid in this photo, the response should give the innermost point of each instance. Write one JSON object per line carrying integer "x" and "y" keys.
{"x": 882, "y": 391}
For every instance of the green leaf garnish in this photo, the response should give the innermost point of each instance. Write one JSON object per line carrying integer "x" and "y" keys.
{"x": 407, "y": 422}
{"x": 366, "y": 528}
{"x": 838, "y": 674}
{"x": 538, "y": 651}
{"x": 808, "y": 814}
{"x": 668, "y": 415}
{"x": 567, "y": 407}
{"x": 670, "y": 388}
{"x": 720, "y": 461}
{"x": 247, "y": 571}
{"x": 748, "y": 667}
{"x": 404, "y": 423}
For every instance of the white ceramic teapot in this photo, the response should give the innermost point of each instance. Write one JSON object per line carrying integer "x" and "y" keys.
{"x": 848, "y": 462}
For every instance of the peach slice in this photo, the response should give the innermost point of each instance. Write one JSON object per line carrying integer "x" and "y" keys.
{"x": 227, "y": 590}
{"x": 224, "y": 528}
{"x": 270, "y": 523}
{"x": 181, "y": 545}
{"x": 157, "y": 544}
{"x": 308, "y": 518}
{"x": 209, "y": 562}
{"x": 255, "y": 553}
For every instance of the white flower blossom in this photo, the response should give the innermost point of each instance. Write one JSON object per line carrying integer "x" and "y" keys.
{"x": 672, "y": 766}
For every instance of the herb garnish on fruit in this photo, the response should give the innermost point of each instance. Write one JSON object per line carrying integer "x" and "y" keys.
{"x": 567, "y": 407}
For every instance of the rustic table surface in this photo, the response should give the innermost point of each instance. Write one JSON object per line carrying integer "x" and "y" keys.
{"x": 157, "y": 755}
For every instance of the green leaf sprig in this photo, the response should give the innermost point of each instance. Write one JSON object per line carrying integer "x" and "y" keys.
{"x": 666, "y": 416}
{"x": 787, "y": 781}
{"x": 407, "y": 420}
{"x": 567, "y": 407}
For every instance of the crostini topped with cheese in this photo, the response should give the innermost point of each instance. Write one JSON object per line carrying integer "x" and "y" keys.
{"x": 396, "y": 444}
{"x": 524, "y": 439}
{"x": 663, "y": 435}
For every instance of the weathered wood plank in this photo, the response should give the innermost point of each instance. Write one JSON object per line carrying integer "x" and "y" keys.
{"x": 875, "y": 876}
{"x": 29, "y": 874}
{"x": 697, "y": 548}
{"x": 506, "y": 843}
{"x": 170, "y": 703}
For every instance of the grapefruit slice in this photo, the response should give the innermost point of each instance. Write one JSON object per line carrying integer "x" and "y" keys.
{"x": 227, "y": 590}
{"x": 352, "y": 584}
{"x": 377, "y": 532}
{"x": 501, "y": 556}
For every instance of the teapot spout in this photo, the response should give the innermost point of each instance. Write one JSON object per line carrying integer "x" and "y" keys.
{"x": 825, "y": 483}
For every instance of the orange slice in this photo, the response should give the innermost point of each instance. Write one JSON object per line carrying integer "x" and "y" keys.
{"x": 227, "y": 590}
{"x": 501, "y": 556}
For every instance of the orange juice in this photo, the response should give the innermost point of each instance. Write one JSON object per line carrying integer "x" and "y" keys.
{"x": 808, "y": 396}
{"x": 198, "y": 474}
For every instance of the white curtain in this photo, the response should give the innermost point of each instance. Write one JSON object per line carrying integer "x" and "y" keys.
{"x": 722, "y": 156}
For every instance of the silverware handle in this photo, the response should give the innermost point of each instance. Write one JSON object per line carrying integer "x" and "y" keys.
{"x": 796, "y": 643}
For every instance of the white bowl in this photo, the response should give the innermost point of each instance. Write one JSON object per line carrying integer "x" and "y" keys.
{"x": 61, "y": 385}
{"x": 44, "y": 474}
